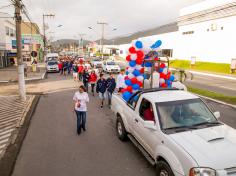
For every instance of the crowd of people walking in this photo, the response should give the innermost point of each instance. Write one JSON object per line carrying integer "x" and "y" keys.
{"x": 104, "y": 87}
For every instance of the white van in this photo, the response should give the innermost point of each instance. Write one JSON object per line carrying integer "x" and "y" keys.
{"x": 51, "y": 56}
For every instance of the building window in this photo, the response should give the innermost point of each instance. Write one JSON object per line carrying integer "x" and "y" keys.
{"x": 7, "y": 31}
{"x": 188, "y": 32}
{"x": 12, "y": 33}
{"x": 222, "y": 28}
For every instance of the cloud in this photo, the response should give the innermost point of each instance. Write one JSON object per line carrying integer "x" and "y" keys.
{"x": 128, "y": 16}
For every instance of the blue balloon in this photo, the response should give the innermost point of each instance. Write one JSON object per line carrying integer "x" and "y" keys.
{"x": 126, "y": 95}
{"x": 168, "y": 82}
{"x": 148, "y": 64}
{"x": 139, "y": 44}
{"x": 132, "y": 63}
{"x": 126, "y": 72}
{"x": 136, "y": 98}
{"x": 136, "y": 72}
{"x": 156, "y": 44}
{"x": 161, "y": 70}
{"x": 172, "y": 78}
{"x": 128, "y": 82}
{"x": 135, "y": 87}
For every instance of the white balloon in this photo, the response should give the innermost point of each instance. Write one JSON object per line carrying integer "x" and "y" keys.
{"x": 130, "y": 69}
{"x": 161, "y": 80}
{"x": 133, "y": 56}
{"x": 165, "y": 71}
{"x": 130, "y": 75}
{"x": 140, "y": 78}
{"x": 138, "y": 67}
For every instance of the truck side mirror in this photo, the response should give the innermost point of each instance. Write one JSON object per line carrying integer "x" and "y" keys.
{"x": 217, "y": 114}
{"x": 150, "y": 125}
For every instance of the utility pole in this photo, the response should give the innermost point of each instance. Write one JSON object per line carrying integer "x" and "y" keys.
{"x": 102, "y": 38}
{"x": 44, "y": 31}
{"x": 21, "y": 79}
{"x": 81, "y": 43}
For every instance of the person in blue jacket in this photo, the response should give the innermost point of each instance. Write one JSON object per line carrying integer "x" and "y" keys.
{"x": 111, "y": 85}
{"x": 101, "y": 88}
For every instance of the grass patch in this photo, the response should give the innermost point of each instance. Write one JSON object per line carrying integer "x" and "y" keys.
{"x": 214, "y": 95}
{"x": 202, "y": 66}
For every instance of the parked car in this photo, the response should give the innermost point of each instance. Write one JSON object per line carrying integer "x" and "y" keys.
{"x": 96, "y": 63}
{"x": 177, "y": 132}
{"x": 110, "y": 67}
{"x": 52, "y": 66}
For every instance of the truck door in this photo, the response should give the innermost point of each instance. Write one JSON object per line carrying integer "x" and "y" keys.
{"x": 147, "y": 137}
{"x": 130, "y": 111}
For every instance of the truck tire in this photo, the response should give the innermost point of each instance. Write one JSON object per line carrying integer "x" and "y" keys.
{"x": 163, "y": 169}
{"x": 120, "y": 129}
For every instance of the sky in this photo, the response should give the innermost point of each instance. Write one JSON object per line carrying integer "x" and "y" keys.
{"x": 75, "y": 16}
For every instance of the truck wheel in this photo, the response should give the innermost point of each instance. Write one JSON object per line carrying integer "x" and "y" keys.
{"x": 120, "y": 128}
{"x": 163, "y": 169}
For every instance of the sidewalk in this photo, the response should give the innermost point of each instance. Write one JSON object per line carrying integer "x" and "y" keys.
{"x": 9, "y": 74}
{"x": 12, "y": 114}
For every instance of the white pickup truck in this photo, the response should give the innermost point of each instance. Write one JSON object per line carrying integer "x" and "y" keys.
{"x": 177, "y": 132}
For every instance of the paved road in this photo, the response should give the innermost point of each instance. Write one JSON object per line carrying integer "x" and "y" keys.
{"x": 220, "y": 85}
{"x": 52, "y": 146}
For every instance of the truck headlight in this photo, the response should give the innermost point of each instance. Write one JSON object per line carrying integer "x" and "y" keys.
{"x": 201, "y": 171}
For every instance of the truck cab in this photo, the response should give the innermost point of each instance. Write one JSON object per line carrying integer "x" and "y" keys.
{"x": 176, "y": 131}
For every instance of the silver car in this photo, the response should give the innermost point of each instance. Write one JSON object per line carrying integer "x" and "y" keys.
{"x": 52, "y": 66}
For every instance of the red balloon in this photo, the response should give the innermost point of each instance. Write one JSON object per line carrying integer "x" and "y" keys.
{"x": 132, "y": 50}
{"x": 162, "y": 65}
{"x": 123, "y": 90}
{"x": 142, "y": 70}
{"x": 140, "y": 54}
{"x": 168, "y": 75}
{"x": 140, "y": 83}
{"x": 126, "y": 77}
{"x": 162, "y": 75}
{"x": 156, "y": 59}
{"x": 134, "y": 80}
{"x": 128, "y": 58}
{"x": 139, "y": 61}
{"x": 129, "y": 88}
{"x": 163, "y": 85}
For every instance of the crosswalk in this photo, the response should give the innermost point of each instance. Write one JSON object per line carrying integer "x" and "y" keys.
{"x": 12, "y": 110}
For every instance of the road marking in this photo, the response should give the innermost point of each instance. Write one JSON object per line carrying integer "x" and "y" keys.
{"x": 213, "y": 75}
{"x": 5, "y": 136}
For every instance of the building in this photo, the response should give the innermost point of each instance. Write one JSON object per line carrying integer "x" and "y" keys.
{"x": 32, "y": 40}
{"x": 7, "y": 35}
{"x": 205, "y": 32}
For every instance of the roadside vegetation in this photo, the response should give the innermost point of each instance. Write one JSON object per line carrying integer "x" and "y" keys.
{"x": 214, "y": 95}
{"x": 202, "y": 66}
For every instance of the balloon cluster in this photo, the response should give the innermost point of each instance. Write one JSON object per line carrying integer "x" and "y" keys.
{"x": 165, "y": 77}
{"x": 135, "y": 71}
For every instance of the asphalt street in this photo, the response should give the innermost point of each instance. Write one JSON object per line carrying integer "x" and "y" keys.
{"x": 52, "y": 147}
{"x": 220, "y": 85}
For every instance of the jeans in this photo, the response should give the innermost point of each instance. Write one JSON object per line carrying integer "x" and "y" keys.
{"x": 109, "y": 96}
{"x": 81, "y": 116}
{"x": 86, "y": 85}
{"x": 92, "y": 87}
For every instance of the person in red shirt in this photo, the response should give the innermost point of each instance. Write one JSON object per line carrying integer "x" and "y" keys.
{"x": 60, "y": 67}
{"x": 148, "y": 114}
{"x": 92, "y": 80}
{"x": 80, "y": 71}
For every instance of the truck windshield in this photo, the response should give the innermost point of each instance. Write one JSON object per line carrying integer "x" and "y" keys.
{"x": 111, "y": 63}
{"x": 184, "y": 113}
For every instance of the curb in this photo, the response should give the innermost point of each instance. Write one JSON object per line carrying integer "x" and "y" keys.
{"x": 8, "y": 161}
{"x": 217, "y": 101}
{"x": 28, "y": 79}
